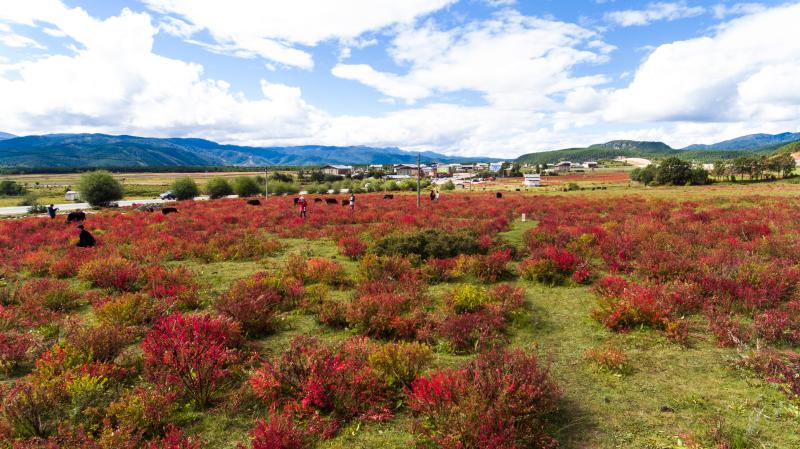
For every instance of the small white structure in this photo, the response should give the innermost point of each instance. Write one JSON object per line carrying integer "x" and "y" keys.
{"x": 72, "y": 195}
{"x": 590, "y": 164}
{"x": 496, "y": 166}
{"x": 532, "y": 180}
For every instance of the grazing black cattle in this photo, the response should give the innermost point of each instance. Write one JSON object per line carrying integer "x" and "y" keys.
{"x": 517, "y": 189}
{"x": 498, "y": 195}
{"x": 317, "y": 200}
{"x": 169, "y": 210}
{"x": 76, "y": 216}
{"x": 331, "y": 201}
{"x": 254, "y": 202}
{"x": 388, "y": 196}
{"x": 345, "y": 202}
{"x": 296, "y": 200}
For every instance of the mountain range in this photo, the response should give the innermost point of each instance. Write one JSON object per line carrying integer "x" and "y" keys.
{"x": 760, "y": 144}
{"x": 101, "y": 150}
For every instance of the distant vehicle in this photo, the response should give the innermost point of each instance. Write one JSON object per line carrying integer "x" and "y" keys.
{"x": 168, "y": 195}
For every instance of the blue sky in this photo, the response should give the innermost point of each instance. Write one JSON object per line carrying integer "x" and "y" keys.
{"x": 472, "y": 77}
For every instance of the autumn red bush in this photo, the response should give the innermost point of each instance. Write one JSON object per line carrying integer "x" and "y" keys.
{"x": 280, "y": 432}
{"x": 196, "y": 354}
{"x": 113, "y": 272}
{"x": 255, "y": 301}
{"x": 500, "y": 399}
{"x": 352, "y": 247}
{"x": 325, "y": 386}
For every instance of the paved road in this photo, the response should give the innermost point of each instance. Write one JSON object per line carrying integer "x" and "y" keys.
{"x": 22, "y": 210}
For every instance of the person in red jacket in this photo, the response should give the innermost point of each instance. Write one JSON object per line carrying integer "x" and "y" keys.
{"x": 303, "y": 204}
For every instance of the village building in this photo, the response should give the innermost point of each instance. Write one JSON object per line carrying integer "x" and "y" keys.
{"x": 337, "y": 170}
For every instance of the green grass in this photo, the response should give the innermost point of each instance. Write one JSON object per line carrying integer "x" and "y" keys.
{"x": 670, "y": 391}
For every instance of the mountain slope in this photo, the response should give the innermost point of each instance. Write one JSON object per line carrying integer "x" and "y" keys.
{"x": 4, "y": 136}
{"x": 764, "y": 144}
{"x": 100, "y": 150}
{"x": 749, "y": 142}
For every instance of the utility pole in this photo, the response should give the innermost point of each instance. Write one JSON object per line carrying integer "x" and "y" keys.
{"x": 419, "y": 194}
{"x": 266, "y": 183}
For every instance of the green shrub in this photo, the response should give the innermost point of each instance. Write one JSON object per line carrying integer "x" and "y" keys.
{"x": 246, "y": 186}
{"x": 431, "y": 243}
{"x": 400, "y": 363}
{"x": 469, "y": 298}
{"x": 11, "y": 188}
{"x": 217, "y": 187}
{"x": 184, "y": 188}
{"x": 99, "y": 188}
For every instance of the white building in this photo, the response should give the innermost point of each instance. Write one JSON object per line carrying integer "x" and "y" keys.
{"x": 496, "y": 166}
{"x": 532, "y": 180}
{"x": 72, "y": 195}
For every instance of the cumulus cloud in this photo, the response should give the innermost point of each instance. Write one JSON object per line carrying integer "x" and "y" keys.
{"x": 654, "y": 12}
{"x": 514, "y": 61}
{"x": 272, "y": 30}
{"x": 746, "y": 70}
{"x": 115, "y": 83}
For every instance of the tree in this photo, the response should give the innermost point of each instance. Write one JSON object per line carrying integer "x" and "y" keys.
{"x": 217, "y": 187}
{"x": 783, "y": 164}
{"x": 644, "y": 175}
{"x": 184, "y": 188}
{"x": 246, "y": 186}
{"x": 99, "y": 188}
{"x": 674, "y": 171}
{"x": 11, "y": 188}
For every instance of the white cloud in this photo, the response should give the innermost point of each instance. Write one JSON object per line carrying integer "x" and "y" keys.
{"x": 514, "y": 61}
{"x": 746, "y": 70}
{"x": 19, "y": 41}
{"x": 499, "y": 3}
{"x": 271, "y": 30}
{"x": 654, "y": 12}
{"x": 115, "y": 83}
{"x": 722, "y": 11}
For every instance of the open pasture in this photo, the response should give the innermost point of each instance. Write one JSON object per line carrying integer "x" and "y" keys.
{"x": 611, "y": 319}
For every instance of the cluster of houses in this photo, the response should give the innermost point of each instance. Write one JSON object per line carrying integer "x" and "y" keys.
{"x": 405, "y": 171}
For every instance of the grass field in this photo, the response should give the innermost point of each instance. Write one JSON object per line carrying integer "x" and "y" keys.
{"x": 692, "y": 394}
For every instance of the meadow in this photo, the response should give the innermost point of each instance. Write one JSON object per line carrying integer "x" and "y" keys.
{"x": 620, "y": 318}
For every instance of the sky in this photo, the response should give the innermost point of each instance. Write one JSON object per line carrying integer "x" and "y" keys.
{"x": 468, "y": 77}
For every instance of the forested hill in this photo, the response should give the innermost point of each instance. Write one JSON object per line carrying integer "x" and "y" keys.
{"x": 100, "y": 150}
{"x": 658, "y": 150}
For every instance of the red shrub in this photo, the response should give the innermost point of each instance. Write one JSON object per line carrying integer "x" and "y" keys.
{"x": 637, "y": 306}
{"x": 327, "y": 386}
{"x": 352, "y": 247}
{"x": 473, "y": 331}
{"x": 255, "y": 301}
{"x": 510, "y": 298}
{"x": 104, "y": 341}
{"x": 280, "y": 432}
{"x": 779, "y": 325}
{"x": 173, "y": 285}
{"x": 175, "y": 439}
{"x": 491, "y": 267}
{"x": 15, "y": 349}
{"x": 194, "y": 353}
{"x": 143, "y": 410}
{"x": 438, "y": 270}
{"x": 326, "y": 271}
{"x": 52, "y": 294}
{"x": 728, "y": 330}
{"x": 553, "y": 267}
{"x": 112, "y": 272}
{"x": 386, "y": 315}
{"x": 501, "y": 400}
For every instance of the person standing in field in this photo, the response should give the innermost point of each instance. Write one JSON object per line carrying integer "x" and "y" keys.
{"x": 433, "y": 195}
{"x": 436, "y": 198}
{"x": 303, "y": 204}
{"x": 352, "y": 201}
{"x": 51, "y": 211}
